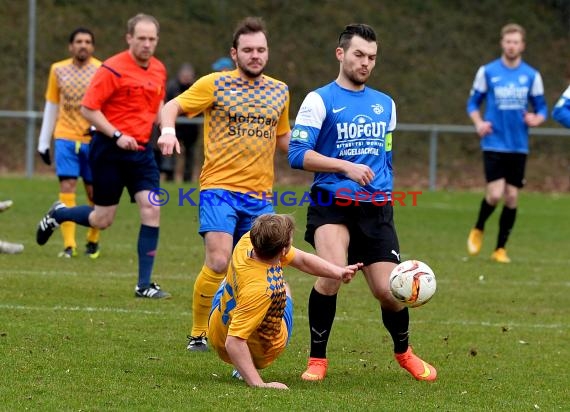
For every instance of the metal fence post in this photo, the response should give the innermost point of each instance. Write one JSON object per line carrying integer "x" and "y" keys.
{"x": 31, "y": 122}
{"x": 433, "y": 159}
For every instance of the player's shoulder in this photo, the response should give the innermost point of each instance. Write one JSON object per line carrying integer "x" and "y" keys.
{"x": 377, "y": 94}
{"x": 94, "y": 61}
{"x": 527, "y": 67}
{"x": 62, "y": 63}
{"x": 275, "y": 82}
{"x": 157, "y": 64}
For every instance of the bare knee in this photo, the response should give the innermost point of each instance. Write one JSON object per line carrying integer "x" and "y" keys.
{"x": 327, "y": 286}
{"x": 100, "y": 220}
{"x": 218, "y": 262}
{"x": 493, "y": 198}
{"x": 511, "y": 200}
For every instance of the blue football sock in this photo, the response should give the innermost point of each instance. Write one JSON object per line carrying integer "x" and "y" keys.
{"x": 148, "y": 241}
{"x": 77, "y": 214}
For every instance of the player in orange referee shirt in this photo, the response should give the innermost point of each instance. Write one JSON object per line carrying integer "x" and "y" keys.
{"x": 122, "y": 102}
{"x": 246, "y": 115}
{"x": 67, "y": 82}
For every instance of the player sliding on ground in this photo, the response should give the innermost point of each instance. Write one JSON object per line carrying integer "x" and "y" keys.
{"x": 252, "y": 313}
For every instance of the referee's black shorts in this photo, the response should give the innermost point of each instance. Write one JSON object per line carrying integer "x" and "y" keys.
{"x": 372, "y": 232}
{"x": 114, "y": 169}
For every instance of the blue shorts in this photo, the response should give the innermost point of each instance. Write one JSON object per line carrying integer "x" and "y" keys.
{"x": 230, "y": 212}
{"x": 114, "y": 169}
{"x": 72, "y": 160}
{"x": 287, "y": 316}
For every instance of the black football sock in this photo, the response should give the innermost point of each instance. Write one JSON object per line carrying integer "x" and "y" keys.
{"x": 397, "y": 324}
{"x": 484, "y": 212}
{"x": 322, "y": 310}
{"x": 506, "y": 223}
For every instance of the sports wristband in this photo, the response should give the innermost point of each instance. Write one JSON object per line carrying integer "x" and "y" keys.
{"x": 169, "y": 130}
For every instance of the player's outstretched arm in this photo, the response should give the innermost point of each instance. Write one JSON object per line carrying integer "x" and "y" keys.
{"x": 241, "y": 358}
{"x": 167, "y": 142}
{"x": 317, "y": 266}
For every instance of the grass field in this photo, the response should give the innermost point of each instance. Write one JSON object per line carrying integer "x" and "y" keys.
{"x": 73, "y": 337}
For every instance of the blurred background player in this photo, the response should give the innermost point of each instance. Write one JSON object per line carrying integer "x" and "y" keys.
{"x": 67, "y": 82}
{"x": 246, "y": 116}
{"x": 561, "y": 110}
{"x": 8, "y": 247}
{"x": 223, "y": 64}
{"x": 507, "y": 85}
{"x": 348, "y": 111}
{"x": 122, "y": 102}
{"x": 252, "y": 313}
{"x": 185, "y": 132}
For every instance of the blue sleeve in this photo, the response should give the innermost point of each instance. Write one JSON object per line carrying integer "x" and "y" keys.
{"x": 296, "y": 154}
{"x": 303, "y": 138}
{"x": 538, "y": 103}
{"x": 474, "y": 101}
{"x": 561, "y": 112}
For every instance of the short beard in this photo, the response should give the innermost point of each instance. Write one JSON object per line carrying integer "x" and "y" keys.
{"x": 354, "y": 80}
{"x": 248, "y": 73}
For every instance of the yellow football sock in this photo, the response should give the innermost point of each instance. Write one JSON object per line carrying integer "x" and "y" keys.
{"x": 92, "y": 233}
{"x": 205, "y": 288}
{"x": 68, "y": 228}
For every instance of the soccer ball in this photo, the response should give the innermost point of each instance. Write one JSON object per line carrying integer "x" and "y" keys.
{"x": 413, "y": 283}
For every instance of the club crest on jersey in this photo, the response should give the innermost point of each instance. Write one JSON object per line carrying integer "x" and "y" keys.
{"x": 377, "y": 108}
{"x": 523, "y": 79}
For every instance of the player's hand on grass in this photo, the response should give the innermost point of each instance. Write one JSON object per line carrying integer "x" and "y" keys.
{"x": 273, "y": 385}
{"x": 46, "y": 158}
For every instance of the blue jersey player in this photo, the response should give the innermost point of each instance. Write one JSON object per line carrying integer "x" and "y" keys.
{"x": 507, "y": 85}
{"x": 561, "y": 111}
{"x": 343, "y": 133}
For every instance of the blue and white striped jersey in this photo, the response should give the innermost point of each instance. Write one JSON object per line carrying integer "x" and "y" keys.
{"x": 351, "y": 125}
{"x": 508, "y": 92}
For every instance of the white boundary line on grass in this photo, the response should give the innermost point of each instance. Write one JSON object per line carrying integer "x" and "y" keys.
{"x": 91, "y": 309}
{"x": 123, "y": 275}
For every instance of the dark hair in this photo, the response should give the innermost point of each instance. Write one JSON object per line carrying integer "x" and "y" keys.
{"x": 81, "y": 30}
{"x": 360, "y": 30}
{"x": 247, "y": 26}
{"x": 270, "y": 234}
{"x": 141, "y": 17}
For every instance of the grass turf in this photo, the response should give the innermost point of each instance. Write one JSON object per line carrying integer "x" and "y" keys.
{"x": 73, "y": 337}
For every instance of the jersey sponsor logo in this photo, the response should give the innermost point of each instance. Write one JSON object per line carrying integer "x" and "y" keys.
{"x": 252, "y": 126}
{"x": 360, "y": 151}
{"x": 361, "y": 126}
{"x": 511, "y": 97}
{"x": 340, "y": 109}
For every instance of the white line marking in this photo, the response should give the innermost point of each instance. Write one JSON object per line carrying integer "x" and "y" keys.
{"x": 91, "y": 309}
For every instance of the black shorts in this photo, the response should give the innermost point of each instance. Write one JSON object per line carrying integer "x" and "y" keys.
{"x": 508, "y": 166}
{"x": 371, "y": 228}
{"x": 114, "y": 169}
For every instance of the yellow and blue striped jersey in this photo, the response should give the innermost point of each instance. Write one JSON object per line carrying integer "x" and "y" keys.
{"x": 67, "y": 83}
{"x": 242, "y": 119}
{"x": 252, "y": 305}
